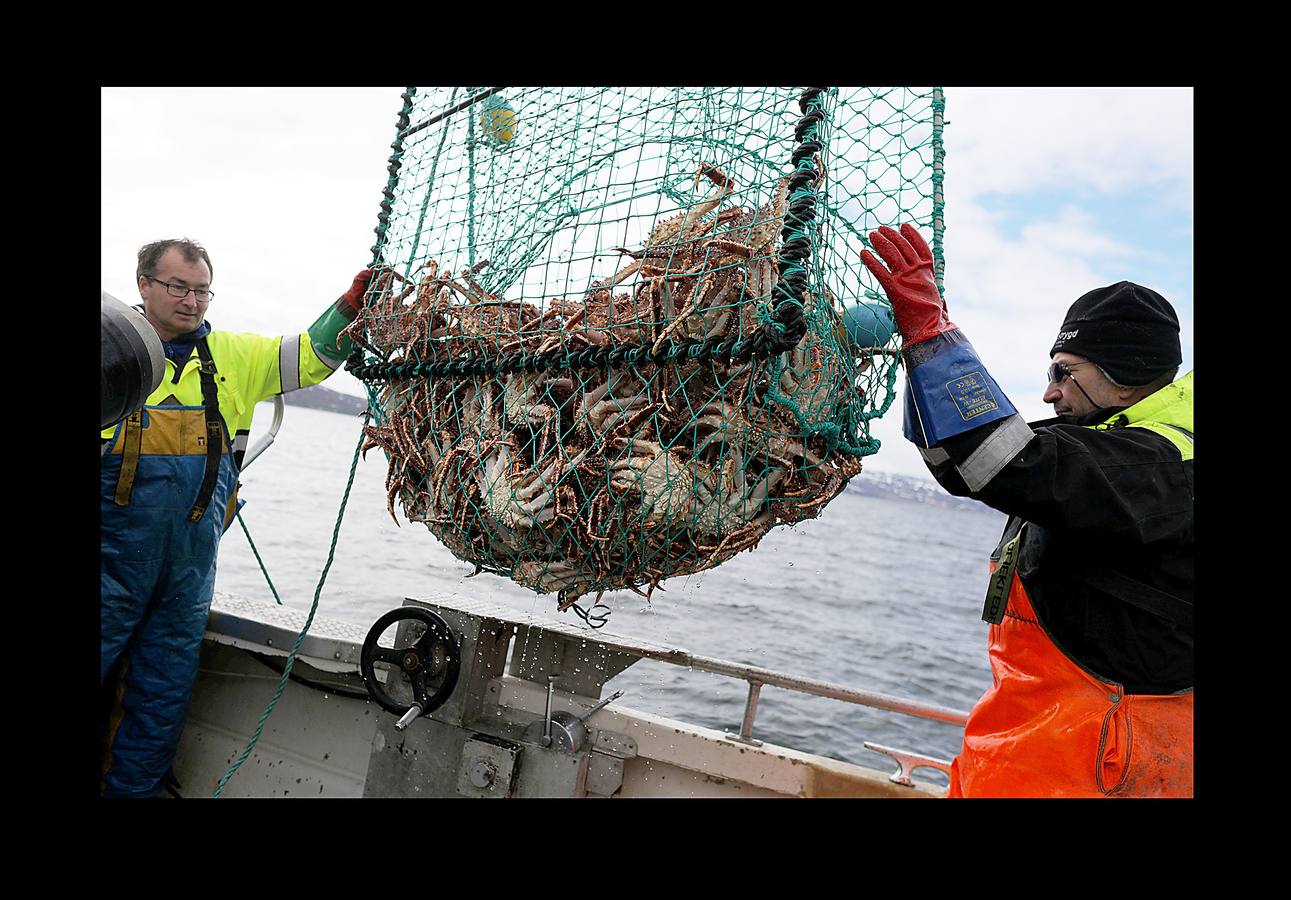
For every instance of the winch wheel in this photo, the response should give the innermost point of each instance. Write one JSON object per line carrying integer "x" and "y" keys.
{"x": 434, "y": 656}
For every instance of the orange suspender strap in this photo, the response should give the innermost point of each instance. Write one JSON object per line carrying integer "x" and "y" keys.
{"x": 214, "y": 432}
{"x": 132, "y": 441}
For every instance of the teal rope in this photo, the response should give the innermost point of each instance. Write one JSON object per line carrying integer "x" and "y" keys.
{"x": 291, "y": 658}
{"x": 258, "y": 559}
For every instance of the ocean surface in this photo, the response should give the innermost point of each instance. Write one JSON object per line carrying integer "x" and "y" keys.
{"x": 876, "y": 594}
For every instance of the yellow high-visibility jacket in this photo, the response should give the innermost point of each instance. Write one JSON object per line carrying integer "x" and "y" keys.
{"x": 254, "y": 367}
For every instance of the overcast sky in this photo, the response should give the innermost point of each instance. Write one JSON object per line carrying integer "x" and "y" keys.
{"x": 1049, "y": 193}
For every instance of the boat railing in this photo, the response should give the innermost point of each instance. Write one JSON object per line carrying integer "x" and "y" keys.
{"x": 906, "y": 760}
{"x": 756, "y": 677}
{"x": 538, "y": 665}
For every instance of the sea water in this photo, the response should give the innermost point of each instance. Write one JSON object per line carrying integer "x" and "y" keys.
{"x": 877, "y": 594}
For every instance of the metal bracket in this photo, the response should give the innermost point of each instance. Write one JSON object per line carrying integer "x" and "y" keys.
{"x": 907, "y": 762}
{"x": 604, "y": 775}
{"x": 613, "y": 744}
{"x": 606, "y": 762}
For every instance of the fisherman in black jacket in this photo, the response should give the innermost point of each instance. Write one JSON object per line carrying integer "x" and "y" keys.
{"x": 1091, "y": 592}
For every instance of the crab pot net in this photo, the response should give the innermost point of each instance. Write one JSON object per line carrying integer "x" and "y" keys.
{"x": 611, "y": 342}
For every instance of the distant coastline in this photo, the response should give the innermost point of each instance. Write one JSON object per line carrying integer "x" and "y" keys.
{"x": 324, "y": 398}
{"x": 867, "y": 484}
{"x": 916, "y": 490}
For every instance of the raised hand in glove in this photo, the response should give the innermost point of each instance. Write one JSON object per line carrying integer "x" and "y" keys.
{"x": 950, "y": 391}
{"x": 909, "y": 282}
{"x": 353, "y": 298}
{"x": 326, "y": 333}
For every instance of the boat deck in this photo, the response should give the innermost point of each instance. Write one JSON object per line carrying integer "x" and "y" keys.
{"x": 325, "y": 738}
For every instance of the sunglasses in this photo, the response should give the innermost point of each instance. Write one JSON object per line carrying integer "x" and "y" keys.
{"x": 1060, "y": 372}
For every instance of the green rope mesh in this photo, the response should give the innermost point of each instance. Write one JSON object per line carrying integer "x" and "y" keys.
{"x": 615, "y": 339}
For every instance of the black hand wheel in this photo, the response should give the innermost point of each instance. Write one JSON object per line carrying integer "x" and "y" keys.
{"x": 432, "y": 657}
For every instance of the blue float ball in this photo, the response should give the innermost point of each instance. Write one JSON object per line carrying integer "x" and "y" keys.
{"x": 868, "y": 324}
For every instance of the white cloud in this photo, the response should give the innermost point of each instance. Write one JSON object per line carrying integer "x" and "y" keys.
{"x": 1014, "y": 140}
{"x": 1009, "y": 294}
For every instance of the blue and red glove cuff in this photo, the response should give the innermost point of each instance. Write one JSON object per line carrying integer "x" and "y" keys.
{"x": 948, "y": 390}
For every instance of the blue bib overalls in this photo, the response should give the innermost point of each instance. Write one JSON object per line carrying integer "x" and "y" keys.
{"x": 158, "y": 548}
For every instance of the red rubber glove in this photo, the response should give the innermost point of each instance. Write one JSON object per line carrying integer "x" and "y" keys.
{"x": 353, "y": 298}
{"x": 910, "y": 285}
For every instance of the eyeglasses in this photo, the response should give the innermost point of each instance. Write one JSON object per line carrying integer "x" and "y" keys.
{"x": 1060, "y": 372}
{"x": 180, "y": 292}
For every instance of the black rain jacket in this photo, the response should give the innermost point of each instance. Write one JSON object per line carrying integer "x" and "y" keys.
{"x": 1110, "y": 509}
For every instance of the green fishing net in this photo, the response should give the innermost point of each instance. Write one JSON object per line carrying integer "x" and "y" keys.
{"x": 620, "y": 333}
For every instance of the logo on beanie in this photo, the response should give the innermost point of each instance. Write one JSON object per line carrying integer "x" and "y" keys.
{"x": 1066, "y": 336}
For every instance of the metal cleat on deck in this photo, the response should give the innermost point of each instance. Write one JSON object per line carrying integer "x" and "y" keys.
{"x": 907, "y": 761}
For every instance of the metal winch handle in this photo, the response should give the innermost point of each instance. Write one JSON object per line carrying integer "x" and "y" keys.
{"x": 563, "y": 730}
{"x": 606, "y": 702}
{"x": 546, "y": 716}
{"x": 263, "y": 444}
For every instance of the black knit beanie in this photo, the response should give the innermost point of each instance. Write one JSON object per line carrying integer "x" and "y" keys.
{"x": 1129, "y": 330}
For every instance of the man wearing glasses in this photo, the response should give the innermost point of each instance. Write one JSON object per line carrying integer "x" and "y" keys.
{"x": 1091, "y": 589}
{"x": 169, "y": 491}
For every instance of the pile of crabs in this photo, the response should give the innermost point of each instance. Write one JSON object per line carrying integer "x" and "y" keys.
{"x": 575, "y": 481}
